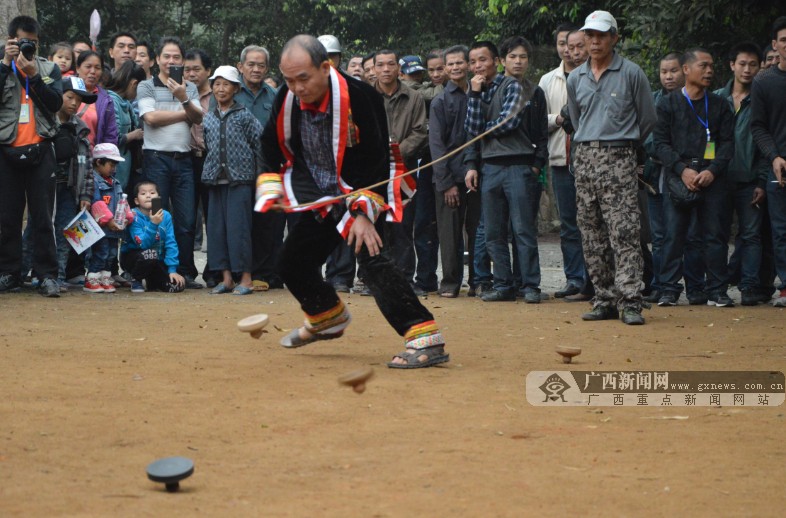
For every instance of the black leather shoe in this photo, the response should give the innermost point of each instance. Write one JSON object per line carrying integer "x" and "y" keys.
{"x": 750, "y": 298}
{"x": 578, "y": 297}
{"x": 9, "y": 284}
{"x": 497, "y": 296}
{"x": 669, "y": 298}
{"x": 653, "y": 297}
{"x": 191, "y": 284}
{"x": 570, "y": 289}
{"x": 601, "y": 313}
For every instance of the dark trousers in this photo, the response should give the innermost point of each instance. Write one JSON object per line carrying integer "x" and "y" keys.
{"x": 564, "y": 186}
{"x": 745, "y": 262}
{"x": 451, "y": 222}
{"x": 229, "y": 228}
{"x": 202, "y": 196}
{"x": 714, "y": 222}
{"x": 340, "y": 266}
{"x": 692, "y": 263}
{"x": 416, "y": 235}
{"x": 481, "y": 263}
{"x": 144, "y": 266}
{"x": 305, "y": 250}
{"x": 267, "y": 236}
{"x": 174, "y": 177}
{"x": 424, "y": 227}
{"x": 36, "y": 186}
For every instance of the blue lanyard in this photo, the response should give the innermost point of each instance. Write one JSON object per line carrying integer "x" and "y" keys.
{"x": 27, "y": 81}
{"x": 705, "y": 123}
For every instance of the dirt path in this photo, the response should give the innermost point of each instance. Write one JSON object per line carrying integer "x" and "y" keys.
{"x": 93, "y": 388}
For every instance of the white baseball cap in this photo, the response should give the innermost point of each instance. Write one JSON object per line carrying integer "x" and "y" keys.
{"x": 107, "y": 151}
{"x": 601, "y": 21}
{"x": 227, "y": 72}
{"x": 330, "y": 43}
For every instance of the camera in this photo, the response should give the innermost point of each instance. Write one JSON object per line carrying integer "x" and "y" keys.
{"x": 27, "y": 48}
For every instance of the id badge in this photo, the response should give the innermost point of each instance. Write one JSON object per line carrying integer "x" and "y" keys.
{"x": 24, "y": 114}
{"x": 709, "y": 151}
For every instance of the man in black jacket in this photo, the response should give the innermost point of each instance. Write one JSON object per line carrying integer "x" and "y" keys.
{"x": 330, "y": 134}
{"x": 31, "y": 95}
{"x": 455, "y": 206}
{"x": 768, "y": 125}
{"x": 694, "y": 139}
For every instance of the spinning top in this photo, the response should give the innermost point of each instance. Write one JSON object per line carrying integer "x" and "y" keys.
{"x": 170, "y": 471}
{"x": 357, "y": 379}
{"x": 253, "y": 325}
{"x": 568, "y": 353}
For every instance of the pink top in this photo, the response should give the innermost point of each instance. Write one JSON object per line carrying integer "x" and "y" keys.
{"x": 90, "y": 117}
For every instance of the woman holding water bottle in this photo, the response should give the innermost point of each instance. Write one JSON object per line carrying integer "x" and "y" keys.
{"x": 110, "y": 210}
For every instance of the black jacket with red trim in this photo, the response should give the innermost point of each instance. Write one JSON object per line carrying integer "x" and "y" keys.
{"x": 365, "y": 163}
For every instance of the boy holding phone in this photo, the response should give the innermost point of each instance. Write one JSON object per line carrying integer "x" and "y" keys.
{"x": 149, "y": 250}
{"x": 168, "y": 108}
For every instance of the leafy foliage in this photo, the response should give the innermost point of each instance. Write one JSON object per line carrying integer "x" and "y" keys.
{"x": 650, "y": 28}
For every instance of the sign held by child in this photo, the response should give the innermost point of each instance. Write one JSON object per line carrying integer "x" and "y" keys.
{"x": 82, "y": 232}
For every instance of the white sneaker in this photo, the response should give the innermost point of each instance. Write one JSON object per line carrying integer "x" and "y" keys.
{"x": 780, "y": 302}
{"x": 106, "y": 282}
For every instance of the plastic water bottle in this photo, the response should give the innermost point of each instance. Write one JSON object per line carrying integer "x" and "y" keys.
{"x": 120, "y": 212}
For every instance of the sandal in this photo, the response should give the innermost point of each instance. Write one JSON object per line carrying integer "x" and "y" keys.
{"x": 434, "y": 356}
{"x": 260, "y": 285}
{"x": 242, "y": 290}
{"x": 293, "y": 339}
{"x": 220, "y": 289}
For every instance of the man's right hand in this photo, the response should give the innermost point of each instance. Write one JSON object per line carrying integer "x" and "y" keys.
{"x": 688, "y": 177}
{"x": 477, "y": 83}
{"x": 471, "y": 180}
{"x": 452, "y": 198}
{"x": 779, "y": 168}
{"x": 11, "y": 51}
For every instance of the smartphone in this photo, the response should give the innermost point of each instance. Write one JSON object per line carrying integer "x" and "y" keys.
{"x": 176, "y": 73}
{"x": 156, "y": 205}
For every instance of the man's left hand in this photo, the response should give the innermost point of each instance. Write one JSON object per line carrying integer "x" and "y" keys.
{"x": 704, "y": 179}
{"x": 30, "y": 68}
{"x": 362, "y": 233}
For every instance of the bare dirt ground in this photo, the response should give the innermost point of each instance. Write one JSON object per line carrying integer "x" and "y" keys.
{"x": 95, "y": 387}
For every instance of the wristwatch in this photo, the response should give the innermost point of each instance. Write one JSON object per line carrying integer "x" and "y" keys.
{"x": 185, "y": 103}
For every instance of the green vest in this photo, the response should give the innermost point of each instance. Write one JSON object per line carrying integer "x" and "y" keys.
{"x": 10, "y": 105}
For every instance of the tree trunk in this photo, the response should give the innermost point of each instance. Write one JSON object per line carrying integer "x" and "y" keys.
{"x": 10, "y": 9}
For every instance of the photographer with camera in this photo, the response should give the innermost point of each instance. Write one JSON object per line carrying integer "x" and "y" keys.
{"x": 31, "y": 95}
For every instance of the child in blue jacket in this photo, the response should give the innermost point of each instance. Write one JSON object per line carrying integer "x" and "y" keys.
{"x": 149, "y": 250}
